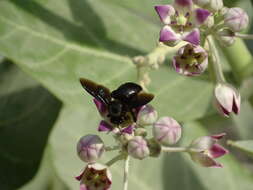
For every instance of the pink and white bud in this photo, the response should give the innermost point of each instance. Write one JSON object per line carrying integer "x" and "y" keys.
{"x": 138, "y": 148}
{"x": 215, "y": 5}
{"x": 95, "y": 177}
{"x": 166, "y": 131}
{"x": 227, "y": 99}
{"x": 90, "y": 148}
{"x": 147, "y": 115}
{"x": 201, "y": 3}
{"x": 190, "y": 60}
{"x": 236, "y": 19}
{"x": 226, "y": 37}
{"x": 205, "y": 149}
{"x": 165, "y": 12}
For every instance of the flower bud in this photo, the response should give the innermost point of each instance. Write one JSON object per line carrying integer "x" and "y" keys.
{"x": 215, "y": 5}
{"x": 90, "y": 148}
{"x": 94, "y": 177}
{"x": 190, "y": 60}
{"x": 147, "y": 115}
{"x": 205, "y": 149}
{"x": 154, "y": 148}
{"x": 236, "y": 19}
{"x": 140, "y": 132}
{"x": 138, "y": 148}
{"x": 201, "y": 3}
{"x": 227, "y": 99}
{"x": 226, "y": 37}
{"x": 166, "y": 131}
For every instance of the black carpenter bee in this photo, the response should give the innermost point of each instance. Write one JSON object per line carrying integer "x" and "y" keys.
{"x": 122, "y": 102}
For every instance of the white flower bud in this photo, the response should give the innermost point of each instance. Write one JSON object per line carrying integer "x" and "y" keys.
{"x": 147, "y": 115}
{"x": 138, "y": 148}
{"x": 226, "y": 37}
{"x": 167, "y": 131}
{"x": 236, "y": 19}
{"x": 90, "y": 148}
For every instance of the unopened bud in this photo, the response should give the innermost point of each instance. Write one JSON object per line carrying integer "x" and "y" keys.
{"x": 236, "y": 19}
{"x": 167, "y": 131}
{"x": 90, "y": 148}
{"x": 147, "y": 115}
{"x": 226, "y": 37}
{"x": 138, "y": 148}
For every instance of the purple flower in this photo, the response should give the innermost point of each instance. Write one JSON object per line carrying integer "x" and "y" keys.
{"x": 190, "y": 60}
{"x": 227, "y": 99}
{"x": 236, "y": 19}
{"x": 90, "y": 148}
{"x": 166, "y": 131}
{"x": 205, "y": 150}
{"x": 95, "y": 177}
{"x": 181, "y": 22}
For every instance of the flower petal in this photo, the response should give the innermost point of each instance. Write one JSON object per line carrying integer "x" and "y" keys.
{"x": 184, "y": 3}
{"x": 83, "y": 187}
{"x": 205, "y": 161}
{"x": 201, "y": 15}
{"x": 164, "y": 12}
{"x": 192, "y": 37}
{"x": 218, "y": 151}
{"x": 168, "y": 35}
{"x": 236, "y": 103}
{"x": 78, "y": 178}
{"x": 128, "y": 130}
{"x": 104, "y": 126}
{"x": 218, "y": 136}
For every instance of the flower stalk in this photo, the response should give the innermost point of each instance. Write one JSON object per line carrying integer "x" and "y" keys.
{"x": 126, "y": 173}
{"x": 115, "y": 159}
{"x": 215, "y": 61}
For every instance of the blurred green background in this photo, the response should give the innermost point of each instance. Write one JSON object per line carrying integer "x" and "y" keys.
{"x": 46, "y": 45}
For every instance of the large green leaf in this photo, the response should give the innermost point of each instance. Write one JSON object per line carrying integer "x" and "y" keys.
{"x": 59, "y": 41}
{"x": 27, "y": 114}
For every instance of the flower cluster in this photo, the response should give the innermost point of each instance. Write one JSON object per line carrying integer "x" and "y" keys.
{"x": 198, "y": 23}
{"x": 134, "y": 141}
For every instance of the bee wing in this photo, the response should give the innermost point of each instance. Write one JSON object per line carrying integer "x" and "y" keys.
{"x": 99, "y": 92}
{"x": 141, "y": 99}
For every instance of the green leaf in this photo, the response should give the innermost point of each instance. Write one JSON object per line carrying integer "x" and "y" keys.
{"x": 245, "y": 146}
{"x": 27, "y": 114}
{"x": 59, "y": 41}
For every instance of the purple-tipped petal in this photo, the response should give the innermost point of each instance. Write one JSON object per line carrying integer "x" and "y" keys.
{"x": 104, "y": 126}
{"x": 205, "y": 160}
{"x": 236, "y": 103}
{"x": 217, "y": 151}
{"x": 164, "y": 12}
{"x": 128, "y": 130}
{"x": 218, "y": 136}
{"x": 201, "y": 15}
{"x": 193, "y": 37}
{"x": 78, "y": 178}
{"x": 183, "y": 3}
{"x": 167, "y": 35}
{"x": 100, "y": 106}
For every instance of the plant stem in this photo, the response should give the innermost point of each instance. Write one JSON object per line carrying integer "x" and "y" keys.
{"x": 216, "y": 64}
{"x": 175, "y": 149}
{"x": 244, "y": 36}
{"x": 126, "y": 170}
{"x": 240, "y": 60}
{"x": 115, "y": 159}
{"x": 111, "y": 148}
